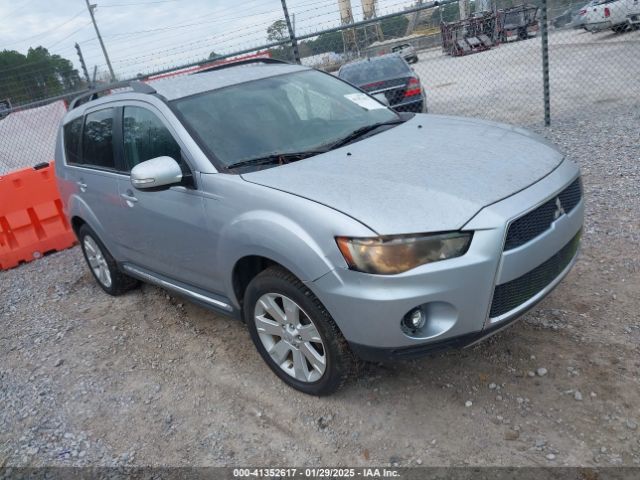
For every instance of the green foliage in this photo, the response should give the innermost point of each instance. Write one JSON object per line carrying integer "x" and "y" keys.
{"x": 277, "y": 31}
{"x": 450, "y": 12}
{"x": 334, "y": 41}
{"x": 35, "y": 76}
{"x": 394, "y": 26}
{"x": 326, "y": 42}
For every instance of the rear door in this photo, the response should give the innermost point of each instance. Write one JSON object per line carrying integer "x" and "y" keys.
{"x": 163, "y": 230}
{"x": 91, "y": 170}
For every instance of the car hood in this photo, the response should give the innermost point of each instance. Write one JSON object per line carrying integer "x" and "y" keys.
{"x": 431, "y": 173}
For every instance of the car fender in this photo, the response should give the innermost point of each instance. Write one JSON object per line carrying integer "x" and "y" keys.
{"x": 77, "y": 207}
{"x": 274, "y": 236}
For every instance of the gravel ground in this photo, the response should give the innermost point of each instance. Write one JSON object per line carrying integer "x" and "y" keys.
{"x": 148, "y": 379}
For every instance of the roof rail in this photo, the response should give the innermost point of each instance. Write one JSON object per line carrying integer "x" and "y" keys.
{"x": 248, "y": 61}
{"x": 135, "y": 85}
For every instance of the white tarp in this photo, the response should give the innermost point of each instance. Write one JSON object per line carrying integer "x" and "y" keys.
{"x": 28, "y": 137}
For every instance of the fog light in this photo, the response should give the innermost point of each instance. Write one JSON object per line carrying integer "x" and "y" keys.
{"x": 415, "y": 319}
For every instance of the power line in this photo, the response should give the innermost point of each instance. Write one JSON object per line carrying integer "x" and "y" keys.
{"x": 147, "y": 34}
{"x": 150, "y": 33}
{"x": 46, "y": 31}
{"x": 17, "y": 9}
{"x": 71, "y": 34}
{"x": 138, "y": 4}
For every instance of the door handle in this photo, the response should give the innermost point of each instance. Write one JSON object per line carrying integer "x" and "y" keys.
{"x": 130, "y": 199}
{"x": 82, "y": 185}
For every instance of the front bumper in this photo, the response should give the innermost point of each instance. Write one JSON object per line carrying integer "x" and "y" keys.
{"x": 455, "y": 294}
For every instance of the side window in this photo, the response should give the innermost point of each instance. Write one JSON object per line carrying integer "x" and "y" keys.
{"x": 146, "y": 137}
{"x": 97, "y": 139}
{"x": 72, "y": 141}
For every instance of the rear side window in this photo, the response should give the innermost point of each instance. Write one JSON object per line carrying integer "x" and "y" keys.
{"x": 72, "y": 140}
{"x": 97, "y": 139}
{"x": 146, "y": 137}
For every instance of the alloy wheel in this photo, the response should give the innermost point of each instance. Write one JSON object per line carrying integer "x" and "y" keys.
{"x": 290, "y": 337}
{"x": 97, "y": 262}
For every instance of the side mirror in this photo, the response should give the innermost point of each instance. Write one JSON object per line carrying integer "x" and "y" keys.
{"x": 157, "y": 172}
{"x": 381, "y": 98}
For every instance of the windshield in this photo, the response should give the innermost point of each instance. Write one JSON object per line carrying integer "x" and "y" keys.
{"x": 378, "y": 69}
{"x": 294, "y": 112}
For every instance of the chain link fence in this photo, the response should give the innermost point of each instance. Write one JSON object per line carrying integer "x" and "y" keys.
{"x": 494, "y": 64}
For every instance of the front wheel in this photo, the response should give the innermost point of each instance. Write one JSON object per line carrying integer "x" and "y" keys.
{"x": 294, "y": 333}
{"x": 102, "y": 265}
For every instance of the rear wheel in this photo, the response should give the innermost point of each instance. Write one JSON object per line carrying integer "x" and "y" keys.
{"x": 294, "y": 333}
{"x": 102, "y": 265}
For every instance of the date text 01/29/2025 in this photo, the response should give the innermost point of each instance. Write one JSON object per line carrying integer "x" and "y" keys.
{"x": 315, "y": 473}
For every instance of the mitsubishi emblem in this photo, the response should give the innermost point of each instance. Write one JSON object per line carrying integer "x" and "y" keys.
{"x": 559, "y": 209}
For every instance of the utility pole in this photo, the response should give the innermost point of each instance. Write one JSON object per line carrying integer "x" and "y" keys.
{"x": 82, "y": 64}
{"x": 545, "y": 65}
{"x": 292, "y": 36}
{"x": 104, "y": 50}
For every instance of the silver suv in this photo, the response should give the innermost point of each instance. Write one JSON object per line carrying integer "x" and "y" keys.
{"x": 334, "y": 227}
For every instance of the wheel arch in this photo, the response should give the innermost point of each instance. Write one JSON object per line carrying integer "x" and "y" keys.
{"x": 262, "y": 239}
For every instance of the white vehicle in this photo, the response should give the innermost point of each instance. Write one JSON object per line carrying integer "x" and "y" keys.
{"x": 608, "y": 14}
{"x": 406, "y": 51}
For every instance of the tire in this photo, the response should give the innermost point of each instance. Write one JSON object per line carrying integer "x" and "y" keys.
{"x": 102, "y": 265}
{"x": 278, "y": 285}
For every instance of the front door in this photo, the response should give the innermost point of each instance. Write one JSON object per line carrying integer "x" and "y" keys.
{"x": 163, "y": 230}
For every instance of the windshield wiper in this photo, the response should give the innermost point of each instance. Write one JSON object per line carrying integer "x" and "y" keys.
{"x": 359, "y": 132}
{"x": 275, "y": 158}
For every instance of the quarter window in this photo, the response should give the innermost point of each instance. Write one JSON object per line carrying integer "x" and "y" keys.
{"x": 72, "y": 141}
{"x": 146, "y": 137}
{"x": 97, "y": 139}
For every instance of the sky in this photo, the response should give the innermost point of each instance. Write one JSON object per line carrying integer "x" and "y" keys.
{"x": 142, "y": 36}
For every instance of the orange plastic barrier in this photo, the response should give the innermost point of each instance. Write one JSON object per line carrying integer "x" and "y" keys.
{"x": 31, "y": 219}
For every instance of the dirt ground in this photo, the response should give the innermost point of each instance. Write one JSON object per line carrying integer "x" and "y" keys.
{"x": 149, "y": 379}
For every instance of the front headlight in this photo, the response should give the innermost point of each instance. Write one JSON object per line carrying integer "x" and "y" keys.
{"x": 396, "y": 254}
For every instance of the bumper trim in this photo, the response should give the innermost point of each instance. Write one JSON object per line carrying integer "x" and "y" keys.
{"x": 377, "y": 354}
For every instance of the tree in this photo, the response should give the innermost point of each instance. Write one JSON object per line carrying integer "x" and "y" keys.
{"x": 277, "y": 31}
{"x": 326, "y": 42}
{"x": 394, "y": 26}
{"x": 36, "y": 75}
{"x": 214, "y": 55}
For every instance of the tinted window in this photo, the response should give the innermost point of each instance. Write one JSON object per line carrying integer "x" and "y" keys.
{"x": 146, "y": 137}
{"x": 97, "y": 139}
{"x": 72, "y": 140}
{"x": 373, "y": 70}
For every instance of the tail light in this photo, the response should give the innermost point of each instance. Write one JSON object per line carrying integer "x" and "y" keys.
{"x": 413, "y": 88}
{"x": 582, "y": 12}
{"x": 607, "y": 12}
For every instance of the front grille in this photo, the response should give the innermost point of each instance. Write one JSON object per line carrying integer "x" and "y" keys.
{"x": 537, "y": 221}
{"x": 512, "y": 294}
